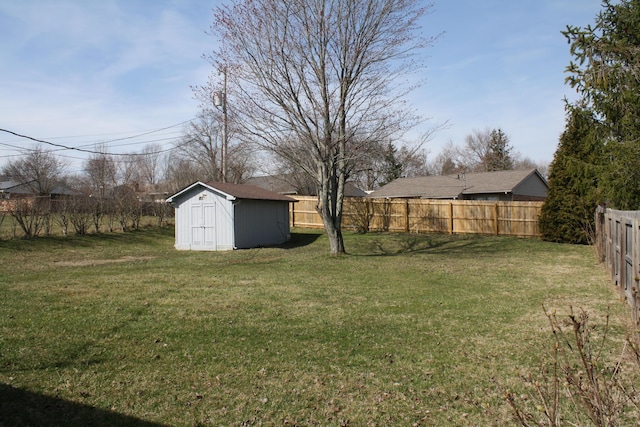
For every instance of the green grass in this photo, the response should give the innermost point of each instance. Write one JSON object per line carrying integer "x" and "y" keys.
{"x": 404, "y": 330}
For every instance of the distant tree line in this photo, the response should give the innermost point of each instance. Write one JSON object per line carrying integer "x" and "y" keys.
{"x": 111, "y": 192}
{"x": 484, "y": 150}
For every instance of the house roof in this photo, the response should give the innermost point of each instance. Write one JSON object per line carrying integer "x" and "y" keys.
{"x": 235, "y": 191}
{"x": 455, "y": 186}
{"x": 14, "y": 187}
{"x": 284, "y": 184}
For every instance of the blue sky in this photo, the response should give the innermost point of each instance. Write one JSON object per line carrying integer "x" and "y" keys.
{"x": 83, "y": 73}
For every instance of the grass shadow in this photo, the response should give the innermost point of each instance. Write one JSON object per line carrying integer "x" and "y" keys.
{"x": 299, "y": 240}
{"x": 403, "y": 244}
{"x": 24, "y": 408}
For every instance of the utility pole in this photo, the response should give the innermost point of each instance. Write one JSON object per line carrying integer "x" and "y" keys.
{"x": 220, "y": 100}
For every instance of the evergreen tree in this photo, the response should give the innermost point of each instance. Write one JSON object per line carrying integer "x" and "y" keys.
{"x": 392, "y": 168}
{"x": 606, "y": 72}
{"x": 568, "y": 212}
{"x": 448, "y": 166}
{"x": 498, "y": 157}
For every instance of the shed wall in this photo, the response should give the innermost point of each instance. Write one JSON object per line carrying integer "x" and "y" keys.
{"x": 217, "y": 218}
{"x": 261, "y": 223}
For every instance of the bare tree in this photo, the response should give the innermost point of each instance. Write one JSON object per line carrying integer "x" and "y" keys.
{"x": 476, "y": 150}
{"x": 126, "y": 200}
{"x": 414, "y": 162}
{"x": 448, "y": 161}
{"x": 181, "y": 172}
{"x": 384, "y": 162}
{"x": 38, "y": 169}
{"x": 483, "y": 151}
{"x": 241, "y": 162}
{"x": 200, "y": 145}
{"x": 150, "y": 163}
{"x": 310, "y": 75}
{"x": 101, "y": 173}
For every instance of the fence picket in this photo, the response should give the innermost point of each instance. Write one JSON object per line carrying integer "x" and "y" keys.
{"x": 427, "y": 216}
{"x": 619, "y": 232}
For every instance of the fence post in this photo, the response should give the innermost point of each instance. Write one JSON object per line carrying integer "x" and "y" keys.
{"x": 600, "y": 238}
{"x": 635, "y": 256}
{"x": 496, "y": 218}
{"x": 451, "y": 216}
{"x": 406, "y": 215}
{"x": 292, "y": 210}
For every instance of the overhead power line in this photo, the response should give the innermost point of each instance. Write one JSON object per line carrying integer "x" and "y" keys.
{"x": 86, "y": 150}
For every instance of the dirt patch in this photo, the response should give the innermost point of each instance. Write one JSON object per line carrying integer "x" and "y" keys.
{"x": 90, "y": 262}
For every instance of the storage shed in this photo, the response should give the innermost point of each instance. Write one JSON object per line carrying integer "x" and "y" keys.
{"x": 221, "y": 216}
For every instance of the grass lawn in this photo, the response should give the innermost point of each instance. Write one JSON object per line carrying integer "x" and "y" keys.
{"x": 404, "y": 330}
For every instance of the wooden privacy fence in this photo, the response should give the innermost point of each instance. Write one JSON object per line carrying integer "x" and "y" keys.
{"x": 618, "y": 246}
{"x": 427, "y": 216}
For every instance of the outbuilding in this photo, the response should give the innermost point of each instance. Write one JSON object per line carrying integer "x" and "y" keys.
{"x": 222, "y": 216}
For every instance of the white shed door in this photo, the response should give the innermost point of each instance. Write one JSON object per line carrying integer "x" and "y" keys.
{"x": 203, "y": 219}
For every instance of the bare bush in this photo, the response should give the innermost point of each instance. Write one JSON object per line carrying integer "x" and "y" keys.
{"x": 579, "y": 385}
{"x": 31, "y": 214}
{"x": 362, "y": 214}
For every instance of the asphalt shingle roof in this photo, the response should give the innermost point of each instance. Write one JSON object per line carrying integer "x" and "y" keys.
{"x": 244, "y": 191}
{"x": 454, "y": 186}
{"x": 282, "y": 184}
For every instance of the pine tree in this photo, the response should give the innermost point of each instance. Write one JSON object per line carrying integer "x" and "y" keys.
{"x": 392, "y": 168}
{"x": 568, "y": 212}
{"x": 498, "y": 152}
{"x": 606, "y": 72}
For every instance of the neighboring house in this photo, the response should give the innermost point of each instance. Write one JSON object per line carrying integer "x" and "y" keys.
{"x": 10, "y": 191}
{"x": 522, "y": 185}
{"x": 221, "y": 216}
{"x": 287, "y": 184}
{"x": 13, "y": 189}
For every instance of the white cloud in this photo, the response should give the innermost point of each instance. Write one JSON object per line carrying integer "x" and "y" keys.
{"x": 89, "y": 68}
{"x": 112, "y": 66}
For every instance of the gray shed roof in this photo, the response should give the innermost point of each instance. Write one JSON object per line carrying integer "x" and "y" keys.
{"x": 455, "y": 186}
{"x": 236, "y": 191}
{"x": 285, "y": 184}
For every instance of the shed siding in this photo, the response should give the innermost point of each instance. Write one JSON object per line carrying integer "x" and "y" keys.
{"x": 212, "y": 212}
{"x": 208, "y": 218}
{"x": 225, "y": 225}
{"x": 260, "y": 223}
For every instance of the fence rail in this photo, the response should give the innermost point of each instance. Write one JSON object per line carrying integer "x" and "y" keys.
{"x": 427, "y": 215}
{"x": 618, "y": 246}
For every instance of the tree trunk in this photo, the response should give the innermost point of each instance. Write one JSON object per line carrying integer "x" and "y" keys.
{"x": 336, "y": 243}
{"x": 330, "y": 198}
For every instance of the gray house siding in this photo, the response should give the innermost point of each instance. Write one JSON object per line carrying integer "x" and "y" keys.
{"x": 499, "y": 197}
{"x": 533, "y": 187}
